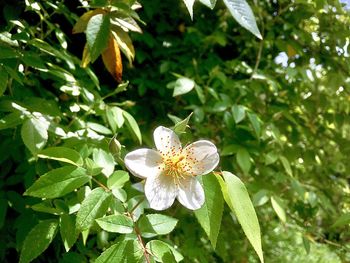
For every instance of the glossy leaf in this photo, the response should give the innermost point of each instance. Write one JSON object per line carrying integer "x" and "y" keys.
{"x": 133, "y": 126}
{"x": 243, "y": 14}
{"x": 243, "y": 160}
{"x": 117, "y": 179}
{"x": 189, "y": 5}
{"x": 41, "y": 235}
{"x": 163, "y": 252}
{"x": 277, "y": 206}
{"x": 210, "y": 214}
{"x": 238, "y": 112}
{"x": 34, "y": 134}
{"x": 94, "y": 206}
{"x": 126, "y": 251}
{"x": 62, "y": 154}
{"x": 68, "y": 232}
{"x": 238, "y": 198}
{"x": 58, "y": 182}
{"x": 183, "y": 86}
{"x": 156, "y": 224}
{"x": 97, "y": 34}
{"x": 116, "y": 224}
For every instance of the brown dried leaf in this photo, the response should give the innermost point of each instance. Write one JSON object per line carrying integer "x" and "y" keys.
{"x": 112, "y": 59}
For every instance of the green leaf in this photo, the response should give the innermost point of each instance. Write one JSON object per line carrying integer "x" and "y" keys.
{"x": 3, "y": 81}
{"x": 11, "y": 120}
{"x": 243, "y": 160}
{"x": 189, "y": 5}
{"x": 240, "y": 203}
{"x": 115, "y": 118}
{"x": 82, "y": 22}
{"x": 183, "y": 86}
{"x": 156, "y": 224}
{"x": 116, "y": 224}
{"x": 38, "y": 240}
{"x": 118, "y": 179}
{"x": 255, "y": 123}
{"x": 62, "y": 154}
{"x": 181, "y": 126}
{"x": 243, "y": 14}
{"x": 3, "y": 211}
{"x": 343, "y": 220}
{"x": 133, "y": 126}
{"x": 209, "y": 3}
{"x": 94, "y": 206}
{"x": 277, "y": 206}
{"x": 210, "y": 214}
{"x": 286, "y": 165}
{"x": 97, "y": 34}
{"x": 58, "y": 182}
{"x": 34, "y": 134}
{"x": 68, "y": 232}
{"x": 163, "y": 252}
{"x": 104, "y": 160}
{"x": 126, "y": 251}
{"x": 238, "y": 112}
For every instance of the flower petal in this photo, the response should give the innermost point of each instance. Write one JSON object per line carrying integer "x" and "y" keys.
{"x": 191, "y": 193}
{"x": 204, "y": 156}
{"x": 166, "y": 140}
{"x": 143, "y": 162}
{"x": 160, "y": 191}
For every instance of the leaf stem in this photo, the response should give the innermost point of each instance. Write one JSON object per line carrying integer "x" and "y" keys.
{"x": 101, "y": 184}
{"x": 137, "y": 204}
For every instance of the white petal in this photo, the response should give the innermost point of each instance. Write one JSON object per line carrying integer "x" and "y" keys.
{"x": 143, "y": 162}
{"x": 191, "y": 193}
{"x": 166, "y": 140}
{"x": 160, "y": 191}
{"x": 205, "y": 155}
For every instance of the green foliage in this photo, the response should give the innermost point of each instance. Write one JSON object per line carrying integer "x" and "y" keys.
{"x": 277, "y": 109}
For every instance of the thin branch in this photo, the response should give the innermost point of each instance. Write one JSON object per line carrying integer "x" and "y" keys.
{"x": 135, "y": 206}
{"x": 258, "y": 58}
{"x": 101, "y": 184}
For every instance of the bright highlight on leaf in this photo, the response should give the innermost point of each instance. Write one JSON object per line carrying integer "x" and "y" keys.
{"x": 237, "y": 198}
{"x": 170, "y": 171}
{"x": 112, "y": 59}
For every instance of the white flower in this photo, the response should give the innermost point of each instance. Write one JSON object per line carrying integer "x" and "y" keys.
{"x": 170, "y": 171}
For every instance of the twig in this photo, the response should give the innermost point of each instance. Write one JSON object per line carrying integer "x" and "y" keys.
{"x": 258, "y": 58}
{"x": 101, "y": 184}
{"x": 135, "y": 206}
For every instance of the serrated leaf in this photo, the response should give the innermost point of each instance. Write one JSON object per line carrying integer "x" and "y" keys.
{"x": 34, "y": 134}
{"x": 156, "y": 224}
{"x": 97, "y": 34}
{"x": 209, "y": 3}
{"x": 243, "y": 14}
{"x": 239, "y": 201}
{"x": 62, "y": 154}
{"x": 243, "y": 160}
{"x": 117, "y": 179}
{"x": 183, "y": 86}
{"x": 163, "y": 252}
{"x": 238, "y": 112}
{"x": 58, "y": 182}
{"x": 38, "y": 240}
{"x": 112, "y": 59}
{"x": 277, "y": 206}
{"x": 189, "y": 5}
{"x": 116, "y": 224}
{"x": 210, "y": 214}
{"x": 133, "y": 126}
{"x": 126, "y": 251}
{"x": 94, "y": 206}
{"x": 68, "y": 232}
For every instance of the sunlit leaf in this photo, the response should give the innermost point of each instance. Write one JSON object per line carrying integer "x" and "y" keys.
{"x": 62, "y": 154}
{"x": 112, "y": 59}
{"x": 116, "y": 224}
{"x": 243, "y": 14}
{"x": 239, "y": 201}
